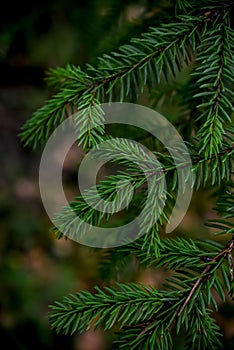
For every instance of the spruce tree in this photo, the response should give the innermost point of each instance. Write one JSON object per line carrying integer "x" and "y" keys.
{"x": 192, "y": 36}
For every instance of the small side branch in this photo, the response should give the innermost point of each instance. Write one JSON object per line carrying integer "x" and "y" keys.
{"x": 222, "y": 255}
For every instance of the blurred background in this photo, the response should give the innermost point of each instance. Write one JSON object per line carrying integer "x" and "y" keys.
{"x": 35, "y": 268}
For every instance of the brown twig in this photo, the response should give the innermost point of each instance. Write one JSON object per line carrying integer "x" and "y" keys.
{"x": 201, "y": 280}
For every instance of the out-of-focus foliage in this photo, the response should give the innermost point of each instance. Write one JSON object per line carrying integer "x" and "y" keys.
{"x": 34, "y": 267}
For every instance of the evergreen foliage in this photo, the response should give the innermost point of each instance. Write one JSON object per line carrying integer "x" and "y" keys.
{"x": 197, "y": 34}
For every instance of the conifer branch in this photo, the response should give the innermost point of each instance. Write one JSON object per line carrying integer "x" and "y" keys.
{"x": 161, "y": 51}
{"x": 216, "y": 82}
{"x": 207, "y": 271}
{"x": 213, "y": 169}
{"x": 200, "y": 33}
{"x": 149, "y": 307}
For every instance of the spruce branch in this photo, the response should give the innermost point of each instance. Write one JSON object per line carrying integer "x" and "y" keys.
{"x": 215, "y": 78}
{"x": 172, "y": 254}
{"x": 207, "y": 272}
{"x": 214, "y": 169}
{"x": 142, "y": 308}
{"x": 199, "y": 36}
{"x": 161, "y": 51}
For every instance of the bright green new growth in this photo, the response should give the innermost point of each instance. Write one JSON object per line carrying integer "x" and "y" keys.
{"x": 199, "y": 35}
